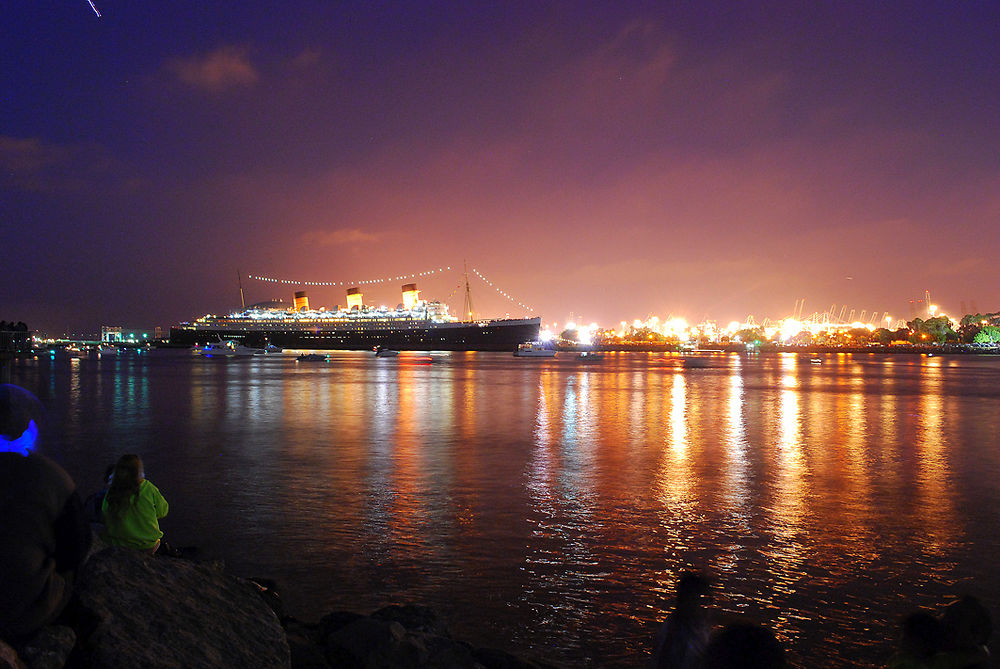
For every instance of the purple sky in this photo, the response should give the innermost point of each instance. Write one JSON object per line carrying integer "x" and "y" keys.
{"x": 606, "y": 160}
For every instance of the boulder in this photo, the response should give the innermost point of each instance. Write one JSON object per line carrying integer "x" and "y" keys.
{"x": 303, "y": 642}
{"x": 401, "y": 636}
{"x": 162, "y": 612}
{"x": 368, "y": 643}
{"x": 415, "y": 618}
{"x": 332, "y": 622}
{"x": 446, "y": 653}
{"x": 493, "y": 658}
{"x": 49, "y": 647}
{"x": 9, "y": 658}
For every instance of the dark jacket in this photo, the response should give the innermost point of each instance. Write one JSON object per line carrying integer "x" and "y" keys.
{"x": 44, "y": 537}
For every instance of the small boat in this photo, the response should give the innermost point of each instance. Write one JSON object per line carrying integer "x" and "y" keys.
{"x": 382, "y": 352}
{"x": 816, "y": 361}
{"x": 591, "y": 356}
{"x": 107, "y": 349}
{"x": 312, "y": 357}
{"x": 533, "y": 349}
{"x": 271, "y": 348}
{"x": 229, "y": 349}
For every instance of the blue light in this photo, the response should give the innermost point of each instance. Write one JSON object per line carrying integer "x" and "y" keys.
{"x": 23, "y": 444}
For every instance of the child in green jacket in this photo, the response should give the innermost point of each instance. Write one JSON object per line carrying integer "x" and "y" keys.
{"x": 133, "y": 507}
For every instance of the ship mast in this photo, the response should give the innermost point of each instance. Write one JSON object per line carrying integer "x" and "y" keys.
{"x": 467, "y": 304}
{"x": 239, "y": 281}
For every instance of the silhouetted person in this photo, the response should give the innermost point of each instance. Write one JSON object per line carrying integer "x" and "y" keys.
{"x": 920, "y": 642}
{"x": 95, "y": 501}
{"x": 967, "y": 627}
{"x": 744, "y": 646}
{"x": 684, "y": 634}
{"x": 44, "y": 534}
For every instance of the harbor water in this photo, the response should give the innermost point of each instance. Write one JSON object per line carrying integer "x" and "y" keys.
{"x": 547, "y": 506}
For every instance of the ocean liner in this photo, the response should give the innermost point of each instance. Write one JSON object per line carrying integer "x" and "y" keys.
{"x": 413, "y": 325}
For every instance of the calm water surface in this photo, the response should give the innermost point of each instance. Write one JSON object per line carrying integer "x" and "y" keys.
{"x": 548, "y": 506}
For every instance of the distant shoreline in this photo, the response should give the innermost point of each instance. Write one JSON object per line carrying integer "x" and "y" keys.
{"x": 919, "y": 349}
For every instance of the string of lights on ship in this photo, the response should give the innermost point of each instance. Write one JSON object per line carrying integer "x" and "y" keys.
{"x": 401, "y": 277}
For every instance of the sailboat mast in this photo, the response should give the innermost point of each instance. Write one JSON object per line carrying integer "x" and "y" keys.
{"x": 467, "y": 306}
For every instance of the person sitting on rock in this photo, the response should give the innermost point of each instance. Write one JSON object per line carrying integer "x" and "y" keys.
{"x": 744, "y": 645}
{"x": 967, "y": 626}
{"x": 683, "y": 636}
{"x": 133, "y": 507}
{"x": 919, "y": 643}
{"x": 44, "y": 534}
{"x": 92, "y": 505}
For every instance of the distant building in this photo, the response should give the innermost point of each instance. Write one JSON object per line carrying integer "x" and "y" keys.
{"x": 15, "y": 341}
{"x": 111, "y": 333}
{"x": 14, "y": 337}
{"x": 114, "y": 334}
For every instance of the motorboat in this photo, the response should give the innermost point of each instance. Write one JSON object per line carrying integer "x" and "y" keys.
{"x": 591, "y": 356}
{"x": 534, "y": 349}
{"x": 230, "y": 349}
{"x": 382, "y": 352}
{"x": 312, "y": 357}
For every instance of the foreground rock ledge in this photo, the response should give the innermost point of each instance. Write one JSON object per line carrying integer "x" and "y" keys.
{"x": 395, "y": 637}
{"x": 152, "y": 612}
{"x": 156, "y": 612}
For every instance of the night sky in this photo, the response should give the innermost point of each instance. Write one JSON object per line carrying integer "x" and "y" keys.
{"x": 608, "y": 161}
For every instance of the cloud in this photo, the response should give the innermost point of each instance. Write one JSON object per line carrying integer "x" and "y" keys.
{"x": 624, "y": 76}
{"x": 307, "y": 58}
{"x": 34, "y": 165}
{"x": 339, "y": 237}
{"x": 222, "y": 69}
{"x": 27, "y": 155}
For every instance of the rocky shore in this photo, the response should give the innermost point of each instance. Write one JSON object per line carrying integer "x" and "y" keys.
{"x": 137, "y": 610}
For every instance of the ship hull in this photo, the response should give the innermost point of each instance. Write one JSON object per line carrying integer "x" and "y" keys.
{"x": 494, "y": 335}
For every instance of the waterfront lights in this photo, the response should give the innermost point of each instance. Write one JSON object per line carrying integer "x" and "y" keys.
{"x": 585, "y": 333}
{"x": 677, "y": 327}
{"x": 789, "y": 328}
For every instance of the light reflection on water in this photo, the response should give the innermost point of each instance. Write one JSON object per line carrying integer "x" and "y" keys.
{"x": 548, "y": 505}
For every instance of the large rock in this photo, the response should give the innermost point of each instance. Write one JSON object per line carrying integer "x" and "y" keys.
{"x": 303, "y": 642}
{"x": 493, "y": 658}
{"x": 415, "y": 618}
{"x": 367, "y": 643}
{"x": 161, "y": 612}
{"x": 9, "y": 658}
{"x": 403, "y": 636}
{"x": 49, "y": 647}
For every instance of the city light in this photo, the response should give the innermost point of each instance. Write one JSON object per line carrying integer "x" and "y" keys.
{"x": 824, "y": 329}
